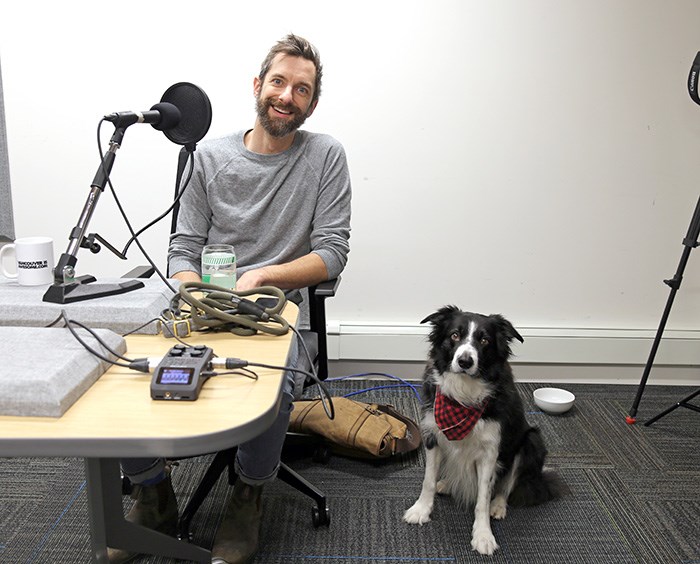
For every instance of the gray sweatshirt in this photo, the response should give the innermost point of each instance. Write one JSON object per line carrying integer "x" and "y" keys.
{"x": 271, "y": 208}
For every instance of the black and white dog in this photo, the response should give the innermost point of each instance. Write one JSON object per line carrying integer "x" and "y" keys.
{"x": 479, "y": 447}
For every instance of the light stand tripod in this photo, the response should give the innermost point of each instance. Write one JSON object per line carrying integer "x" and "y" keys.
{"x": 690, "y": 242}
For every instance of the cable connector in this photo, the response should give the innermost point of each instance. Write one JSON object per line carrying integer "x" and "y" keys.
{"x": 251, "y": 308}
{"x": 229, "y": 363}
{"x": 175, "y": 328}
{"x": 145, "y": 364}
{"x": 140, "y": 364}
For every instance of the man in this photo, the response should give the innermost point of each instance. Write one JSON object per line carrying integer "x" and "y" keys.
{"x": 282, "y": 197}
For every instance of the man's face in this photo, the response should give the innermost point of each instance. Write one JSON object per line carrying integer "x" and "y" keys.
{"x": 284, "y": 97}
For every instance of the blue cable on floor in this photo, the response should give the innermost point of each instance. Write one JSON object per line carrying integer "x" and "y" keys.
{"x": 42, "y": 542}
{"x": 404, "y": 383}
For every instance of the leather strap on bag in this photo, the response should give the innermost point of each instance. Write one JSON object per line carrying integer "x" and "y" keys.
{"x": 358, "y": 429}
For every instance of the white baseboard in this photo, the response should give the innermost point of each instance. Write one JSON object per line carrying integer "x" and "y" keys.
{"x": 543, "y": 354}
{"x": 546, "y": 374}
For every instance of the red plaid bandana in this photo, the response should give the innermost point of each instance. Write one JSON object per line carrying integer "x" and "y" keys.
{"x": 454, "y": 419}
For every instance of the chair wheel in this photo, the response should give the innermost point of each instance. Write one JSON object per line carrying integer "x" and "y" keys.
{"x": 184, "y": 533}
{"x": 320, "y": 517}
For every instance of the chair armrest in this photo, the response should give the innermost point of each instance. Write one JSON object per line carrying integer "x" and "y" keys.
{"x": 317, "y": 320}
{"x": 326, "y": 289}
{"x": 143, "y": 271}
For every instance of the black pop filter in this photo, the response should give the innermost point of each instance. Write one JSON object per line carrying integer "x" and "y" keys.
{"x": 195, "y": 113}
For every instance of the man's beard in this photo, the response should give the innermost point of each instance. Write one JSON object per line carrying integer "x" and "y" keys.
{"x": 279, "y": 127}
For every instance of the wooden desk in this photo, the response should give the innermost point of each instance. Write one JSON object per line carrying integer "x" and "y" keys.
{"x": 116, "y": 418}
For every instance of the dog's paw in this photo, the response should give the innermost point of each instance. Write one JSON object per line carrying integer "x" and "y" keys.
{"x": 441, "y": 488}
{"x": 499, "y": 507}
{"x": 484, "y": 542}
{"x": 418, "y": 513}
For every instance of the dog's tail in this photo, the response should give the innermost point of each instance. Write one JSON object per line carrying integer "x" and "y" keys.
{"x": 534, "y": 484}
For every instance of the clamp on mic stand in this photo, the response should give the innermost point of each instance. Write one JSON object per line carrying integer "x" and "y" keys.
{"x": 66, "y": 287}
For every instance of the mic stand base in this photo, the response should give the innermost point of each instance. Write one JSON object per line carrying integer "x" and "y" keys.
{"x": 81, "y": 289}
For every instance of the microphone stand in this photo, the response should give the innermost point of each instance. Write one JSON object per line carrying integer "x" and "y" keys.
{"x": 66, "y": 288}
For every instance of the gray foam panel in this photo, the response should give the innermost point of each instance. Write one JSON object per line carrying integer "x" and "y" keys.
{"x": 22, "y": 306}
{"x": 45, "y": 370}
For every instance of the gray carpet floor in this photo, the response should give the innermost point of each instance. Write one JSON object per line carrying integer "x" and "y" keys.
{"x": 635, "y": 496}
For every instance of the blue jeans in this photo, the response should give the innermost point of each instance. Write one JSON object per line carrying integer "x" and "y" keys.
{"x": 257, "y": 460}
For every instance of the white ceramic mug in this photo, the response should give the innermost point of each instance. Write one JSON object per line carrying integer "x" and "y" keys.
{"x": 33, "y": 258}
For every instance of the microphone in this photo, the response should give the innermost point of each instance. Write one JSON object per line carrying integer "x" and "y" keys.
{"x": 162, "y": 116}
{"x": 183, "y": 115}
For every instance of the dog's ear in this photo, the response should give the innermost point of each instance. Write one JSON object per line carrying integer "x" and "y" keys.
{"x": 441, "y": 315}
{"x": 506, "y": 328}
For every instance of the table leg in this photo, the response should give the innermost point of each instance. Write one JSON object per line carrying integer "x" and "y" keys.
{"x": 109, "y": 528}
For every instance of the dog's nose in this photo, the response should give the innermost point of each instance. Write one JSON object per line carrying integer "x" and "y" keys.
{"x": 465, "y": 362}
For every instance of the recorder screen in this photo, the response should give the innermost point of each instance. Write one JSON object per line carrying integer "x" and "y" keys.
{"x": 178, "y": 376}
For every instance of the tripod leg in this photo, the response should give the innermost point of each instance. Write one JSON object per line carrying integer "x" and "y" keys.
{"x": 682, "y": 403}
{"x": 674, "y": 283}
{"x": 690, "y": 242}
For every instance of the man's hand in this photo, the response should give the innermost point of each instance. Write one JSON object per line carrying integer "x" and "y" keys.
{"x": 299, "y": 273}
{"x": 187, "y": 276}
{"x": 251, "y": 279}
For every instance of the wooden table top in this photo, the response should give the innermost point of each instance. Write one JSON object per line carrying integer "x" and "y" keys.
{"x": 116, "y": 417}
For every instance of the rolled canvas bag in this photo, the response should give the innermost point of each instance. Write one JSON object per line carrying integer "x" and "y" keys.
{"x": 358, "y": 429}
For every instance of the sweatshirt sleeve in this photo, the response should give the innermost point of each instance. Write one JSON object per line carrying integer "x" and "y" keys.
{"x": 330, "y": 232}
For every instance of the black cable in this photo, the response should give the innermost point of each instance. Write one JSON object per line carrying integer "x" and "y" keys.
{"x": 212, "y": 374}
{"x": 60, "y": 316}
{"x": 289, "y": 368}
{"x": 86, "y": 346}
{"x": 99, "y": 339}
{"x": 254, "y": 375}
{"x": 123, "y": 213}
{"x": 306, "y": 351}
{"x": 164, "y": 328}
{"x": 181, "y": 191}
{"x": 141, "y": 326}
{"x": 327, "y": 407}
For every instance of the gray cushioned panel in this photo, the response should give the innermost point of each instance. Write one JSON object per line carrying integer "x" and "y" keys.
{"x": 45, "y": 370}
{"x": 7, "y": 224}
{"x": 22, "y": 306}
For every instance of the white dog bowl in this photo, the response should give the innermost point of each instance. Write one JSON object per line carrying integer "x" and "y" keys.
{"x": 553, "y": 400}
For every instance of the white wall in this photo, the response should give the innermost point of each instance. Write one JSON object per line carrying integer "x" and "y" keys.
{"x": 530, "y": 157}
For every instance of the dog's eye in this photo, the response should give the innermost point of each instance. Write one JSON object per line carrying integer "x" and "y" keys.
{"x": 484, "y": 342}
{"x": 455, "y": 336}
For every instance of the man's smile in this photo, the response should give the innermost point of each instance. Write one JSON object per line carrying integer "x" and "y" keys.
{"x": 282, "y": 111}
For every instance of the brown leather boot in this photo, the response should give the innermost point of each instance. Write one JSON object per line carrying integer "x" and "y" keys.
{"x": 155, "y": 508}
{"x": 236, "y": 540}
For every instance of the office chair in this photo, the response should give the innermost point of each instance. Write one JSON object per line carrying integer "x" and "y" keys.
{"x": 316, "y": 342}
